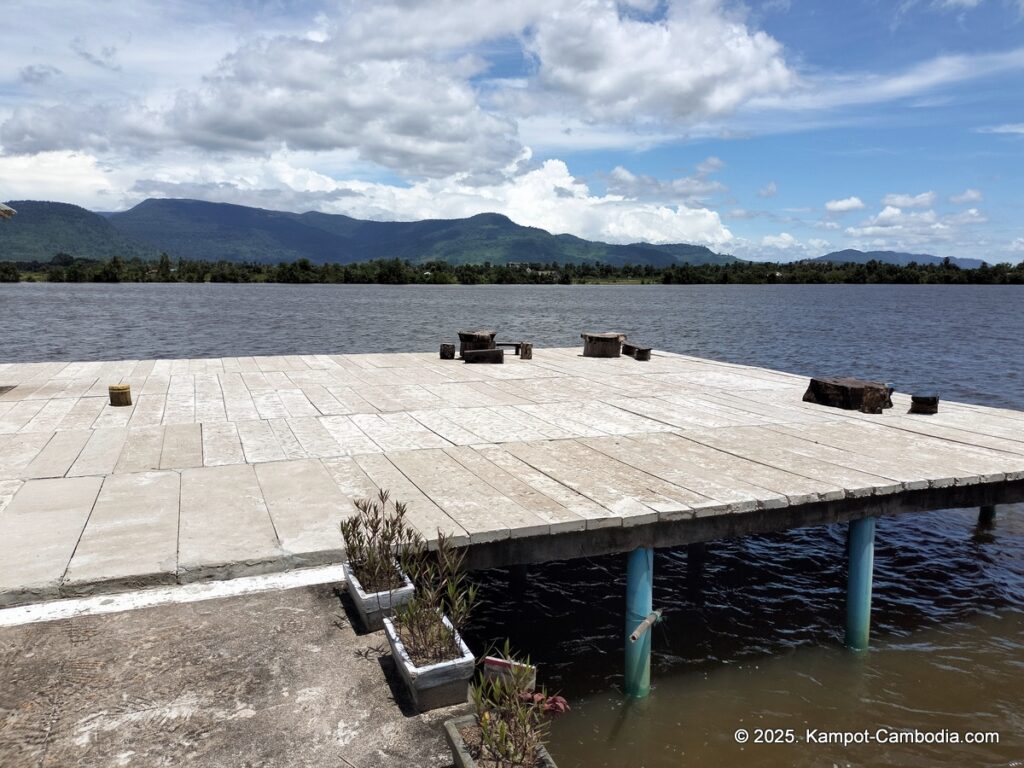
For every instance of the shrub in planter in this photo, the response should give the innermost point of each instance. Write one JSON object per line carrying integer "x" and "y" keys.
{"x": 510, "y": 724}
{"x": 424, "y": 633}
{"x": 376, "y": 538}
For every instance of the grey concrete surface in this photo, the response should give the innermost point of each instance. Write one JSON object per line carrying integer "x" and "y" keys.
{"x": 276, "y": 679}
{"x": 232, "y": 466}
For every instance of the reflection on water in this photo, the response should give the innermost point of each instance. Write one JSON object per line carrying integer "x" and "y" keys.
{"x": 754, "y": 639}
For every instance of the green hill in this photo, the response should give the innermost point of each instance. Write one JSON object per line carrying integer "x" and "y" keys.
{"x": 195, "y": 229}
{"x": 40, "y": 230}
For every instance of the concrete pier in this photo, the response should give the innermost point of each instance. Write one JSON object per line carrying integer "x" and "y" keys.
{"x": 231, "y": 466}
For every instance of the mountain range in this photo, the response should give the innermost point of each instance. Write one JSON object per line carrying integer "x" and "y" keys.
{"x": 852, "y": 256}
{"x": 196, "y": 229}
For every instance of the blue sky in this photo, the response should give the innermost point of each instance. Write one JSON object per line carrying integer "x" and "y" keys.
{"x": 774, "y": 129}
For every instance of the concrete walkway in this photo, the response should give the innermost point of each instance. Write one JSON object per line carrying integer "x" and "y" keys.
{"x": 273, "y": 680}
{"x": 231, "y": 466}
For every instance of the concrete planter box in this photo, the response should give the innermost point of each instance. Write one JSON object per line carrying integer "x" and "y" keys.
{"x": 436, "y": 685}
{"x": 497, "y": 667}
{"x": 460, "y": 753}
{"x": 373, "y": 607}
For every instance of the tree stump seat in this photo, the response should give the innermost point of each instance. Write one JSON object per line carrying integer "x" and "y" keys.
{"x": 473, "y": 340}
{"x": 602, "y": 344}
{"x": 849, "y": 394}
{"x": 484, "y": 356}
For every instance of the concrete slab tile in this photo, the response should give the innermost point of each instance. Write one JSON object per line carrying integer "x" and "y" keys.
{"x": 131, "y": 539}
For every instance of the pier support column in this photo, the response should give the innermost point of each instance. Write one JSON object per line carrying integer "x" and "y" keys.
{"x": 986, "y": 515}
{"x": 639, "y": 603}
{"x": 861, "y": 558}
{"x": 696, "y": 554}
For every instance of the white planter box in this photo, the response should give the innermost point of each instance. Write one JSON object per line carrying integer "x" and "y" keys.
{"x": 436, "y": 685}
{"x": 374, "y": 606}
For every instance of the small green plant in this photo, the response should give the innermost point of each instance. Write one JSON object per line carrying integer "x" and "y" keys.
{"x": 441, "y": 588}
{"x": 512, "y": 721}
{"x": 375, "y": 540}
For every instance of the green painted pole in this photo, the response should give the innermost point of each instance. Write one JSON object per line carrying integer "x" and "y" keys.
{"x": 639, "y": 603}
{"x": 861, "y": 556}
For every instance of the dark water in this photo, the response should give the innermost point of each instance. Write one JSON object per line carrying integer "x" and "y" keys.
{"x": 751, "y": 640}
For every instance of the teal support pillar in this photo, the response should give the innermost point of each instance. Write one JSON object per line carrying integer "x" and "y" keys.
{"x": 861, "y": 556}
{"x": 639, "y": 604}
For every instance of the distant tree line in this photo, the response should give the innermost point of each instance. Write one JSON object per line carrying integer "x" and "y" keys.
{"x": 68, "y": 269}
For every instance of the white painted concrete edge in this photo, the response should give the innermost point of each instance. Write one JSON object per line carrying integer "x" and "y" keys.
{"x": 54, "y": 610}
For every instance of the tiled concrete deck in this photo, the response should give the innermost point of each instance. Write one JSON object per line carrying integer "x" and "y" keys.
{"x": 246, "y": 465}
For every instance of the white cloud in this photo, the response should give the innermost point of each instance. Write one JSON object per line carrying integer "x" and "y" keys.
{"x": 844, "y": 205}
{"x": 691, "y": 189}
{"x": 700, "y": 60}
{"x": 819, "y": 244}
{"x": 967, "y": 196}
{"x": 768, "y": 190}
{"x": 831, "y": 91}
{"x": 970, "y": 216}
{"x": 783, "y": 241}
{"x": 1011, "y": 128}
{"x": 64, "y": 176}
{"x": 923, "y": 200}
{"x": 1017, "y": 246}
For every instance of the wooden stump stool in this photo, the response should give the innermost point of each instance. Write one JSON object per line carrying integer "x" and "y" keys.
{"x": 484, "y": 355}
{"x": 602, "y": 344}
{"x": 849, "y": 394}
{"x": 472, "y": 340}
{"x": 926, "y": 405}
{"x": 120, "y": 394}
{"x": 526, "y": 351}
{"x": 447, "y": 351}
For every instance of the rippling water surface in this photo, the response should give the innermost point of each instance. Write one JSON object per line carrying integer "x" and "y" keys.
{"x": 752, "y": 639}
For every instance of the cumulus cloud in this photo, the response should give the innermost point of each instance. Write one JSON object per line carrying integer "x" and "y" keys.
{"x": 690, "y": 189}
{"x": 700, "y": 60}
{"x": 898, "y": 227}
{"x": 967, "y": 196}
{"x": 844, "y": 205}
{"x": 923, "y": 200}
{"x": 782, "y": 241}
{"x": 768, "y": 190}
{"x": 1017, "y": 245}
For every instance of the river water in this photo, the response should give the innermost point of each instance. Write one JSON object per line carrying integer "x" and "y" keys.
{"x": 753, "y": 639}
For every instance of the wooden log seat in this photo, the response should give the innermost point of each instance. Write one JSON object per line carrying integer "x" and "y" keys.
{"x": 636, "y": 352}
{"x": 447, "y": 351}
{"x": 602, "y": 344}
{"x": 516, "y": 345}
{"x": 484, "y": 356}
{"x": 849, "y": 394}
{"x": 470, "y": 340}
{"x": 926, "y": 405}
